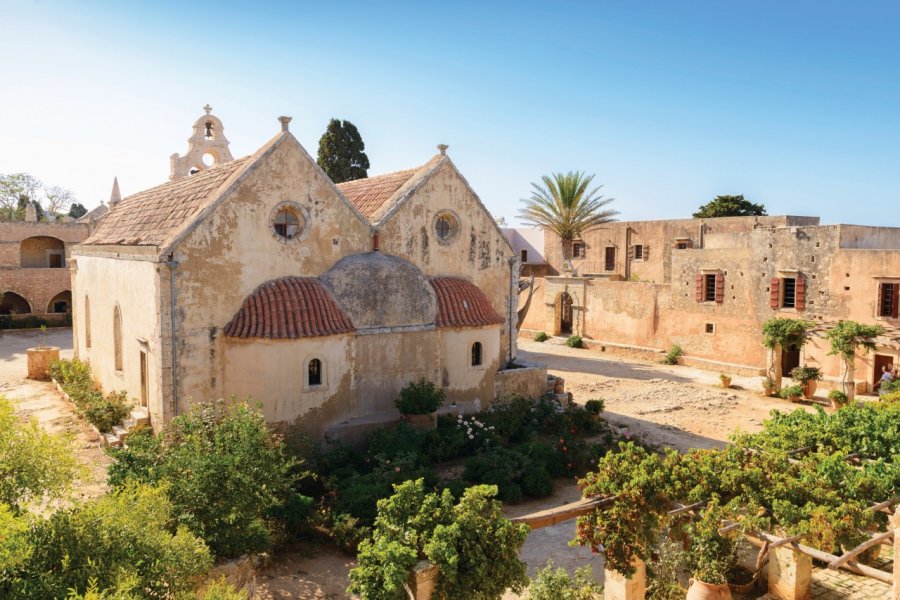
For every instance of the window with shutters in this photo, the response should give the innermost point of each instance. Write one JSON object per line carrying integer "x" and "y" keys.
{"x": 639, "y": 252}
{"x": 579, "y": 250}
{"x": 788, "y": 292}
{"x": 710, "y": 287}
{"x": 888, "y": 300}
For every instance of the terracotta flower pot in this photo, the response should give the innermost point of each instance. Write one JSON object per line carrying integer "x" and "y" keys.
{"x": 836, "y": 404}
{"x": 726, "y": 382}
{"x": 809, "y": 388}
{"x": 794, "y": 399}
{"x": 559, "y": 387}
{"x": 701, "y": 590}
{"x": 768, "y": 390}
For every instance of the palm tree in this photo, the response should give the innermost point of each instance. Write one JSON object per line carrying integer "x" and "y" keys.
{"x": 565, "y": 206}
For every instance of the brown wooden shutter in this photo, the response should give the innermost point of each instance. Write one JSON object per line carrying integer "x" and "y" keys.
{"x": 895, "y": 299}
{"x": 698, "y": 288}
{"x": 774, "y": 292}
{"x": 800, "y": 293}
{"x": 630, "y": 253}
{"x": 646, "y": 252}
{"x": 720, "y": 288}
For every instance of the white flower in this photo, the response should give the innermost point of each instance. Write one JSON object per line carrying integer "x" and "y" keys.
{"x": 471, "y": 437}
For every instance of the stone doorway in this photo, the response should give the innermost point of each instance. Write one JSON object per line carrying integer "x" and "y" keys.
{"x": 790, "y": 359}
{"x": 881, "y": 361}
{"x": 564, "y": 314}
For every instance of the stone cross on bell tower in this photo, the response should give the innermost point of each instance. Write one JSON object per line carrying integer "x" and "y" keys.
{"x": 207, "y": 147}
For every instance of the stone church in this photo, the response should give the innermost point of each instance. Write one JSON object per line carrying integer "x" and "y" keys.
{"x": 259, "y": 277}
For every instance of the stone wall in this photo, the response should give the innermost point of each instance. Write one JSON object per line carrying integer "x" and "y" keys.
{"x": 529, "y": 381}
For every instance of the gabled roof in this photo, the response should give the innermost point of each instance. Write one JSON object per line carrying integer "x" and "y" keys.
{"x": 151, "y": 217}
{"x": 373, "y": 196}
{"x": 289, "y": 308}
{"x": 462, "y": 304}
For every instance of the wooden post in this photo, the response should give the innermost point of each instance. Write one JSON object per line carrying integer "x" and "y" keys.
{"x": 790, "y": 574}
{"x": 424, "y": 580}
{"x": 895, "y": 523}
{"x": 618, "y": 587}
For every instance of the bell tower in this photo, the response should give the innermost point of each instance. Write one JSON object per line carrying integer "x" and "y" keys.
{"x": 207, "y": 147}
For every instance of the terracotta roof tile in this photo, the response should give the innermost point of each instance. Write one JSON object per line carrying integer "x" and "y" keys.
{"x": 462, "y": 304}
{"x": 289, "y": 308}
{"x": 150, "y": 217}
{"x": 370, "y": 194}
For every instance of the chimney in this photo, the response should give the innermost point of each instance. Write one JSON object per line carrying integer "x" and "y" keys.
{"x": 442, "y": 148}
{"x": 284, "y": 123}
{"x": 30, "y": 212}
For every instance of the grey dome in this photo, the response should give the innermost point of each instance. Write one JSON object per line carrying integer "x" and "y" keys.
{"x": 377, "y": 291}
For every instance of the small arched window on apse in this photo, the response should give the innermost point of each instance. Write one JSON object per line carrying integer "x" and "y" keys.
{"x": 117, "y": 337}
{"x": 314, "y": 372}
{"x": 476, "y": 354}
{"x": 87, "y": 321}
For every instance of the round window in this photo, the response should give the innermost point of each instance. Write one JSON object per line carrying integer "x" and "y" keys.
{"x": 446, "y": 227}
{"x": 288, "y": 221}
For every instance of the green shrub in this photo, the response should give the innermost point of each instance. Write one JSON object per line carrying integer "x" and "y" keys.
{"x": 540, "y": 336}
{"x": 34, "y": 465}
{"x": 121, "y": 542}
{"x": 76, "y": 380}
{"x": 791, "y": 390}
{"x": 227, "y": 473}
{"x": 579, "y": 420}
{"x": 222, "y": 590}
{"x": 672, "y": 356}
{"x": 574, "y": 341}
{"x": 401, "y": 438}
{"x": 556, "y": 584}
{"x": 595, "y": 407}
{"x": 346, "y": 531}
{"x": 502, "y": 468}
{"x": 420, "y": 397}
{"x": 804, "y": 374}
{"x": 888, "y": 387}
{"x": 518, "y": 419}
{"x": 838, "y": 396}
{"x": 536, "y": 482}
{"x": 473, "y": 545}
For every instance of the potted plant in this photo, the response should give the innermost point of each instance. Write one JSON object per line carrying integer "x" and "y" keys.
{"x": 768, "y": 386}
{"x": 807, "y": 377}
{"x": 712, "y": 556}
{"x": 792, "y": 393}
{"x": 838, "y": 399}
{"x": 418, "y": 402}
{"x": 725, "y": 379}
{"x": 40, "y": 357}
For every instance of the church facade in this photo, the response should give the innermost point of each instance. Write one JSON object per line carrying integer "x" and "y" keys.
{"x": 259, "y": 277}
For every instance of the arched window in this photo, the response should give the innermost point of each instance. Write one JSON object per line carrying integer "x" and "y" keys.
{"x": 117, "y": 337}
{"x": 87, "y": 321}
{"x": 476, "y": 354}
{"x": 314, "y": 372}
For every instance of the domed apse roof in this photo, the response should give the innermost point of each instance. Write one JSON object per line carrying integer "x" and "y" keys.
{"x": 289, "y": 308}
{"x": 379, "y": 291}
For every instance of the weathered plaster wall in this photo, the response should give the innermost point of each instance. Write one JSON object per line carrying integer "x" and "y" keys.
{"x": 464, "y": 382}
{"x": 478, "y": 252}
{"x": 235, "y": 249}
{"x": 869, "y": 238}
{"x": 135, "y": 287}
{"x": 274, "y": 372}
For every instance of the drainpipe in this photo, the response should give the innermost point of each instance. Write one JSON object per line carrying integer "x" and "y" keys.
{"x": 173, "y": 264}
{"x": 509, "y": 316}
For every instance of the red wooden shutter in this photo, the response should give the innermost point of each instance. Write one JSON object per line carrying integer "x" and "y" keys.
{"x": 698, "y": 288}
{"x": 800, "y": 293}
{"x": 720, "y": 288}
{"x": 895, "y": 299}
{"x": 774, "y": 292}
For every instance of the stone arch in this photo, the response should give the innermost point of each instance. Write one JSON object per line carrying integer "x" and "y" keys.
{"x": 42, "y": 252}
{"x": 60, "y": 303}
{"x": 565, "y": 314}
{"x": 14, "y": 304}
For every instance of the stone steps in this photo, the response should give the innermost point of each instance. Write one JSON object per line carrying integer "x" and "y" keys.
{"x": 116, "y": 439}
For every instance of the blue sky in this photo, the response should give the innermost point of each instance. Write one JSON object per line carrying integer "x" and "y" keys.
{"x": 793, "y": 104}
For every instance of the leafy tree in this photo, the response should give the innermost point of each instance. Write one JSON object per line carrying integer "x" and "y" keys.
{"x": 34, "y": 465}
{"x": 59, "y": 199}
{"x": 845, "y": 338}
{"x": 121, "y": 543}
{"x": 566, "y": 205}
{"x": 16, "y": 190}
{"x": 342, "y": 152}
{"x": 730, "y": 206}
{"x": 556, "y": 584}
{"x": 227, "y": 475}
{"x": 474, "y": 546}
{"x": 77, "y": 210}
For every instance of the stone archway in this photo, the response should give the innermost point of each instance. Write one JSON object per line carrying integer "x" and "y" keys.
{"x": 12, "y": 303}
{"x": 565, "y": 317}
